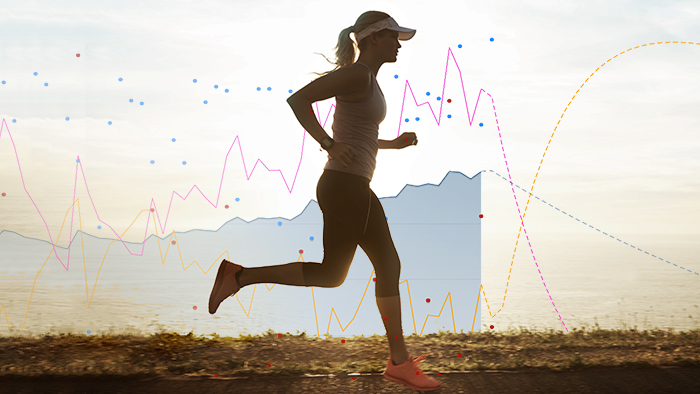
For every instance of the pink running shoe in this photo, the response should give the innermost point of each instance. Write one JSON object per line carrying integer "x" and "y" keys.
{"x": 410, "y": 375}
{"x": 224, "y": 285}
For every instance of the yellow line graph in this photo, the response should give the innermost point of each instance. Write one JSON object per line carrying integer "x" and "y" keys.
{"x": 163, "y": 257}
{"x": 542, "y": 160}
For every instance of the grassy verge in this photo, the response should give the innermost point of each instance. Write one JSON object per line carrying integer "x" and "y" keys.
{"x": 171, "y": 354}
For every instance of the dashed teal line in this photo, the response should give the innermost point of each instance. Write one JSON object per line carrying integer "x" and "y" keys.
{"x": 611, "y": 236}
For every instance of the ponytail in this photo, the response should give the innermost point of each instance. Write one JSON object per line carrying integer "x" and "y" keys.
{"x": 345, "y": 50}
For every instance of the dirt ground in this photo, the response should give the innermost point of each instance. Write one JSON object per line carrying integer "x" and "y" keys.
{"x": 598, "y": 361}
{"x": 619, "y": 381}
{"x": 277, "y": 354}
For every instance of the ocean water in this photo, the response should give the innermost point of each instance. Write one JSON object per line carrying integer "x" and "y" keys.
{"x": 593, "y": 279}
{"x": 590, "y": 278}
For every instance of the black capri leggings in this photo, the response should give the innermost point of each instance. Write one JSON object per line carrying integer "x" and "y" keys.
{"x": 353, "y": 215}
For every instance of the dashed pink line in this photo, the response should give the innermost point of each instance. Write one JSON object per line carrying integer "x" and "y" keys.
{"x": 505, "y": 159}
{"x": 521, "y": 216}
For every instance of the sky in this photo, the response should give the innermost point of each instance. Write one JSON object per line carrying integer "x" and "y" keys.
{"x": 624, "y": 155}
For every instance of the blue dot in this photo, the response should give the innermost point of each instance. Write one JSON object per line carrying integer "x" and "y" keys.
{"x": 491, "y": 38}
{"x": 238, "y": 199}
{"x": 109, "y": 123}
{"x": 449, "y": 116}
{"x": 88, "y": 331}
{"x": 279, "y": 223}
{"x": 184, "y": 163}
{"x": 14, "y": 120}
{"x": 67, "y": 118}
{"x": 386, "y": 217}
{"x": 206, "y": 102}
{"x": 36, "y": 73}
{"x": 427, "y": 93}
{"x": 290, "y": 90}
{"x": 121, "y": 79}
{"x": 396, "y": 76}
{"x": 269, "y": 88}
{"x": 77, "y": 160}
{"x": 194, "y": 80}
{"x": 481, "y": 125}
{"x": 3, "y": 82}
{"x": 459, "y": 46}
{"x": 141, "y": 103}
{"x": 152, "y": 161}
{"x": 226, "y": 90}
{"x": 311, "y": 238}
{"x": 258, "y": 88}
{"x": 46, "y": 84}
{"x": 131, "y": 100}
{"x": 438, "y": 99}
{"x": 417, "y": 118}
{"x": 173, "y": 139}
{"x": 99, "y": 227}
{"x": 405, "y": 120}
{"x": 216, "y": 86}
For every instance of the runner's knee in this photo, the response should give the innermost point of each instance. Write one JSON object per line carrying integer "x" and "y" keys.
{"x": 324, "y": 274}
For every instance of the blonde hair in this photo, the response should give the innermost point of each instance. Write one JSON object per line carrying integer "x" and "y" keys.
{"x": 345, "y": 50}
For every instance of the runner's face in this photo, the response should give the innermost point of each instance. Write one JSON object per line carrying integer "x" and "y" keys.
{"x": 390, "y": 42}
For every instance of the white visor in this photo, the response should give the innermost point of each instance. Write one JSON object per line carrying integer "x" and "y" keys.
{"x": 388, "y": 23}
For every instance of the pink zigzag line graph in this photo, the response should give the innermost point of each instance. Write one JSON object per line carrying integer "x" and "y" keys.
{"x": 406, "y": 86}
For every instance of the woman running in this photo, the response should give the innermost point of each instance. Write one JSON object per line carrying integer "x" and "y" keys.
{"x": 352, "y": 213}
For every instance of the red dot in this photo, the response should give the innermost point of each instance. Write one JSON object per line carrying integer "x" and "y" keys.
{"x": 269, "y": 365}
{"x": 449, "y": 100}
{"x": 342, "y": 341}
{"x": 226, "y": 206}
{"x": 492, "y": 326}
{"x": 173, "y": 242}
{"x": 194, "y": 307}
{"x": 152, "y": 209}
{"x": 481, "y": 216}
{"x": 3, "y": 194}
{"x": 353, "y": 378}
{"x": 279, "y": 335}
{"x": 374, "y": 279}
{"x": 216, "y": 375}
{"x": 396, "y": 337}
{"x": 77, "y": 55}
{"x": 301, "y": 251}
{"x": 385, "y": 319}
{"x": 459, "y": 355}
{"x": 406, "y": 139}
{"x": 312, "y": 111}
{"x": 438, "y": 373}
{"x": 427, "y": 300}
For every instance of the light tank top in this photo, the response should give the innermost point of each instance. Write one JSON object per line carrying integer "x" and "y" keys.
{"x": 356, "y": 123}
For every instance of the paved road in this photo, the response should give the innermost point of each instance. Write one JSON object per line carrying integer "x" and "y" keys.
{"x": 637, "y": 381}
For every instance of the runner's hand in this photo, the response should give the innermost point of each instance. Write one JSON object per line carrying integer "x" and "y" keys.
{"x": 405, "y": 140}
